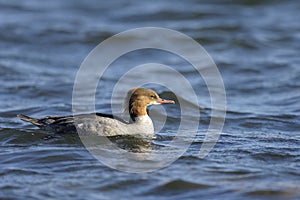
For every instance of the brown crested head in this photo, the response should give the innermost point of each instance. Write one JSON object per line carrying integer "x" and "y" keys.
{"x": 140, "y": 98}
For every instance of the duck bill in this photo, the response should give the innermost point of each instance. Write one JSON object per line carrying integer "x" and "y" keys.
{"x": 164, "y": 101}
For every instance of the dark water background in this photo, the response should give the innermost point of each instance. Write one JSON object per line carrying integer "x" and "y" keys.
{"x": 255, "y": 45}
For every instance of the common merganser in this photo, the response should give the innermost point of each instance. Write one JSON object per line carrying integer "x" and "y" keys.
{"x": 107, "y": 125}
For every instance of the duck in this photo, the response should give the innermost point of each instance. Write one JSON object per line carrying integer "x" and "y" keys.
{"x": 100, "y": 124}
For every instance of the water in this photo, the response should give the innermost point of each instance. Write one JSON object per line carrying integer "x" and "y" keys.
{"x": 255, "y": 45}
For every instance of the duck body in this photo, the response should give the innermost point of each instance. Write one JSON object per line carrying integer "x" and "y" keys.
{"x": 104, "y": 124}
{"x": 94, "y": 124}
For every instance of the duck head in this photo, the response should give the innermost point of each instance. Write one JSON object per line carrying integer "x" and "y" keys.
{"x": 140, "y": 99}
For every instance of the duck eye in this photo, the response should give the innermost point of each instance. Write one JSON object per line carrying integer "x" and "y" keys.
{"x": 152, "y": 96}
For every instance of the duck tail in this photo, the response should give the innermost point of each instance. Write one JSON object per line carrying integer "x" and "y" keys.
{"x": 32, "y": 120}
